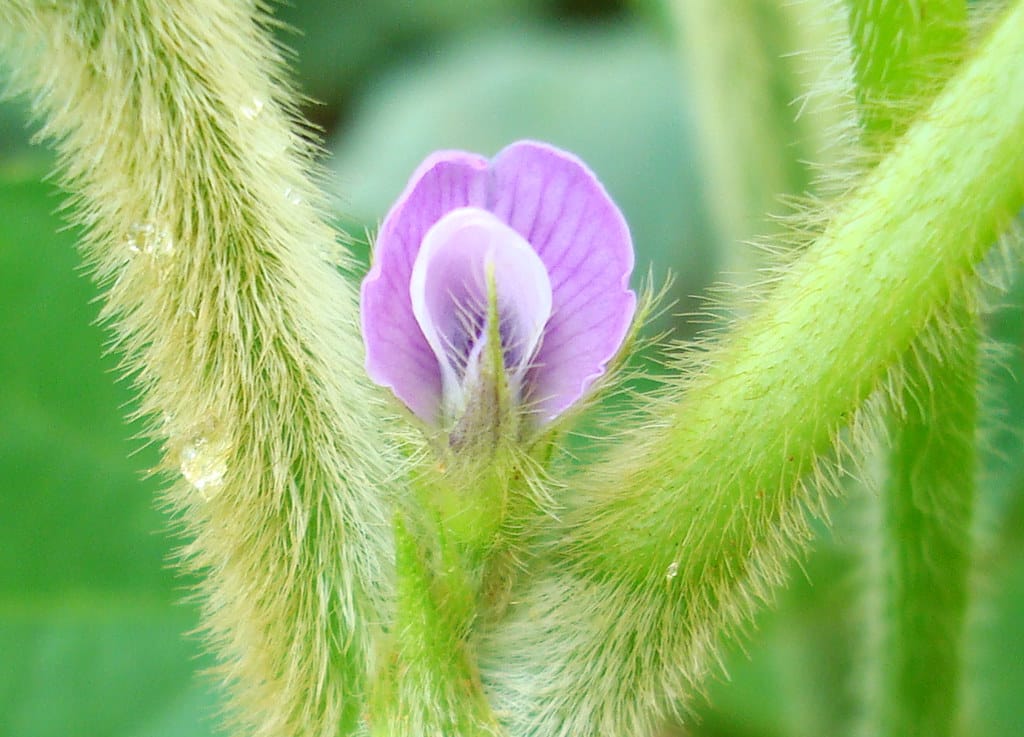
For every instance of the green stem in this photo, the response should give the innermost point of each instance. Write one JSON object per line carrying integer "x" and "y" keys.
{"x": 900, "y": 50}
{"x": 684, "y": 529}
{"x": 430, "y": 685}
{"x": 924, "y": 544}
{"x": 178, "y": 141}
{"x": 779, "y": 389}
{"x": 920, "y": 547}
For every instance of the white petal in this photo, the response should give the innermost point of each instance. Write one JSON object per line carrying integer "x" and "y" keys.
{"x": 448, "y": 290}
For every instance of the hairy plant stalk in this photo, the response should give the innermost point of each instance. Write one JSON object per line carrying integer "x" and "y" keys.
{"x": 177, "y": 140}
{"x": 907, "y": 240}
{"x": 900, "y": 51}
{"x": 430, "y": 685}
{"x": 177, "y": 137}
{"x": 918, "y": 548}
{"x": 687, "y": 526}
{"x": 923, "y": 543}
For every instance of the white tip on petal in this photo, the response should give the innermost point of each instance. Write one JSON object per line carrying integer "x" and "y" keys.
{"x": 448, "y": 290}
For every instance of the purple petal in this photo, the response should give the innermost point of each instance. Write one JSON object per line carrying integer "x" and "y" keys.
{"x": 397, "y": 353}
{"x": 449, "y": 288}
{"x": 554, "y": 201}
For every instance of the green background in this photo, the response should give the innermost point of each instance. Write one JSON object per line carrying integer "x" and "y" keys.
{"x": 93, "y": 620}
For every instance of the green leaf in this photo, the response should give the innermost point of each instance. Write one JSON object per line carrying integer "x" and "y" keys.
{"x": 93, "y": 641}
{"x": 337, "y": 42}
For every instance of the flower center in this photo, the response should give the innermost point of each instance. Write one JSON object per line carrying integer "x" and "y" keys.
{"x": 471, "y": 268}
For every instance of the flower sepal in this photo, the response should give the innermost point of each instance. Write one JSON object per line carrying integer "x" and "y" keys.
{"x": 469, "y": 496}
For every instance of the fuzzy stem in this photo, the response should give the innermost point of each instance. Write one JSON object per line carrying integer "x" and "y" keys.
{"x": 779, "y": 390}
{"x": 924, "y": 543}
{"x": 681, "y": 532}
{"x": 177, "y": 137}
{"x": 430, "y": 685}
{"x": 899, "y": 46}
{"x": 920, "y": 549}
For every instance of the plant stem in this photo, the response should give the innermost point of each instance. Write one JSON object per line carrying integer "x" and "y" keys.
{"x": 924, "y": 544}
{"x": 178, "y": 139}
{"x": 688, "y": 525}
{"x": 782, "y": 385}
{"x": 919, "y": 550}
{"x": 901, "y": 51}
{"x": 429, "y": 685}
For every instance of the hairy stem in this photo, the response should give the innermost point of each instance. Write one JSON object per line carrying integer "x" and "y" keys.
{"x": 681, "y": 532}
{"x": 898, "y": 49}
{"x": 838, "y": 320}
{"x": 430, "y": 685}
{"x": 177, "y": 137}
{"x": 923, "y": 543}
{"x": 919, "y": 547}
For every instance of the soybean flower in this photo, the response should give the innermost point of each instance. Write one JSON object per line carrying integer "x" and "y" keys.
{"x": 526, "y": 250}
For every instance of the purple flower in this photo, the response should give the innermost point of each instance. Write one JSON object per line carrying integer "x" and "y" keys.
{"x": 530, "y": 239}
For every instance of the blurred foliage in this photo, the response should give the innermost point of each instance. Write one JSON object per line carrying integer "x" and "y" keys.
{"x": 91, "y": 630}
{"x": 339, "y": 45}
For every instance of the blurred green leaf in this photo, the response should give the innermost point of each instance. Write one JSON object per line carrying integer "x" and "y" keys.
{"x": 93, "y": 643}
{"x": 102, "y": 667}
{"x": 336, "y": 42}
{"x": 17, "y": 157}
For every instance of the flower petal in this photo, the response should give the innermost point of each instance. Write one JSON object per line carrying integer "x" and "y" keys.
{"x": 459, "y": 257}
{"x": 554, "y": 201}
{"x": 557, "y": 205}
{"x": 397, "y": 354}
